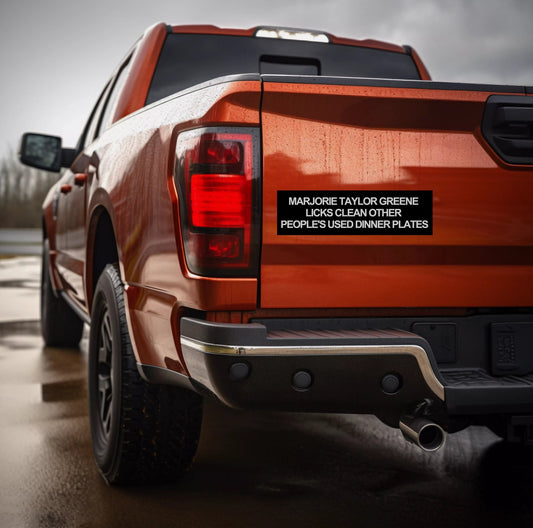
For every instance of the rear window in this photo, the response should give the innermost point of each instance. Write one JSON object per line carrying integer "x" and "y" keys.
{"x": 189, "y": 59}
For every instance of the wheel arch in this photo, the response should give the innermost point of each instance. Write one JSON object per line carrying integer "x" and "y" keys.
{"x": 102, "y": 249}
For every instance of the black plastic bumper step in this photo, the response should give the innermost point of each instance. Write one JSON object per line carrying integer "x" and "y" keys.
{"x": 475, "y": 391}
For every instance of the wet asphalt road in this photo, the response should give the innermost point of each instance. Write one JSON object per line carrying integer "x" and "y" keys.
{"x": 252, "y": 469}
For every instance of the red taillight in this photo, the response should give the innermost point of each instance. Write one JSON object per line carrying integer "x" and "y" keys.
{"x": 216, "y": 178}
{"x": 220, "y": 200}
{"x": 213, "y": 150}
{"x": 216, "y": 246}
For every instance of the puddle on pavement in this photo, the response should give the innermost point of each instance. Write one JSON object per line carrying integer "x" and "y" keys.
{"x": 64, "y": 390}
{"x": 33, "y": 284}
{"x": 18, "y": 342}
{"x": 16, "y": 328}
{"x": 32, "y": 373}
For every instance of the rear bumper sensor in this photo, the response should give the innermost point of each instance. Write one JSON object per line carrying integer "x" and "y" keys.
{"x": 508, "y": 127}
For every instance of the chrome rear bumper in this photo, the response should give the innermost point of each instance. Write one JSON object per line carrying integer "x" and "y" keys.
{"x": 361, "y": 371}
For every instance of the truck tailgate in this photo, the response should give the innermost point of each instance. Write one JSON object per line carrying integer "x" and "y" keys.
{"x": 388, "y": 196}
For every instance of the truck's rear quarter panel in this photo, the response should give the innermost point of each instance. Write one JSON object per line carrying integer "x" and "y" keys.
{"x": 338, "y": 138}
{"x": 135, "y": 179}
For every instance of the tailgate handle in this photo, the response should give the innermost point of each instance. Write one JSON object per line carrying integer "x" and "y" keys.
{"x": 508, "y": 127}
{"x": 514, "y": 114}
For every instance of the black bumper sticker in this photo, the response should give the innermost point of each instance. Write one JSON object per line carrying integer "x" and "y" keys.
{"x": 355, "y": 212}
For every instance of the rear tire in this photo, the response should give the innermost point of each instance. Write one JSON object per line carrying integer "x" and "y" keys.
{"x": 140, "y": 432}
{"x": 60, "y": 326}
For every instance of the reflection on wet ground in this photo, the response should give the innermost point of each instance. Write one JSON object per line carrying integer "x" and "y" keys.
{"x": 64, "y": 390}
{"x": 19, "y": 284}
{"x": 254, "y": 469}
{"x": 19, "y": 288}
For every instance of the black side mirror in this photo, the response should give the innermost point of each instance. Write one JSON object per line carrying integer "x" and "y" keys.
{"x": 44, "y": 152}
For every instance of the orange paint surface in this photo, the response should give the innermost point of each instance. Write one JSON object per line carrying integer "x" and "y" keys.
{"x": 314, "y": 137}
{"x": 366, "y": 138}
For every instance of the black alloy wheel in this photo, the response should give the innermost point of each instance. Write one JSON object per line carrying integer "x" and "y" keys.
{"x": 140, "y": 431}
{"x": 105, "y": 375}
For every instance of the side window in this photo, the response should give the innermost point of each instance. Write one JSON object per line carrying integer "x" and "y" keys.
{"x": 104, "y": 109}
{"x": 96, "y": 117}
{"x": 90, "y": 127}
{"x": 111, "y": 104}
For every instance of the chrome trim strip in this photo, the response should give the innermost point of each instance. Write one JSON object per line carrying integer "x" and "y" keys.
{"x": 413, "y": 350}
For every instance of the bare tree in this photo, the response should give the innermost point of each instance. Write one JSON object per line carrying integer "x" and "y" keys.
{"x": 22, "y": 191}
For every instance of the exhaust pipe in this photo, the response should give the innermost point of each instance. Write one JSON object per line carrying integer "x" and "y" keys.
{"x": 423, "y": 432}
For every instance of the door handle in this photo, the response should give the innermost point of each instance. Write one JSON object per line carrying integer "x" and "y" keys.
{"x": 80, "y": 179}
{"x": 65, "y": 189}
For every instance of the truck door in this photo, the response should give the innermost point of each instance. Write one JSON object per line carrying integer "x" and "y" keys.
{"x": 70, "y": 231}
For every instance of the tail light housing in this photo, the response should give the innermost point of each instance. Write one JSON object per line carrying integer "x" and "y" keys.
{"x": 217, "y": 179}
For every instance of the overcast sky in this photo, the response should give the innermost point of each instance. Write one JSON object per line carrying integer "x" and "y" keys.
{"x": 56, "y": 55}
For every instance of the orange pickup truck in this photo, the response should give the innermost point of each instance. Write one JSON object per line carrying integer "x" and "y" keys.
{"x": 288, "y": 220}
